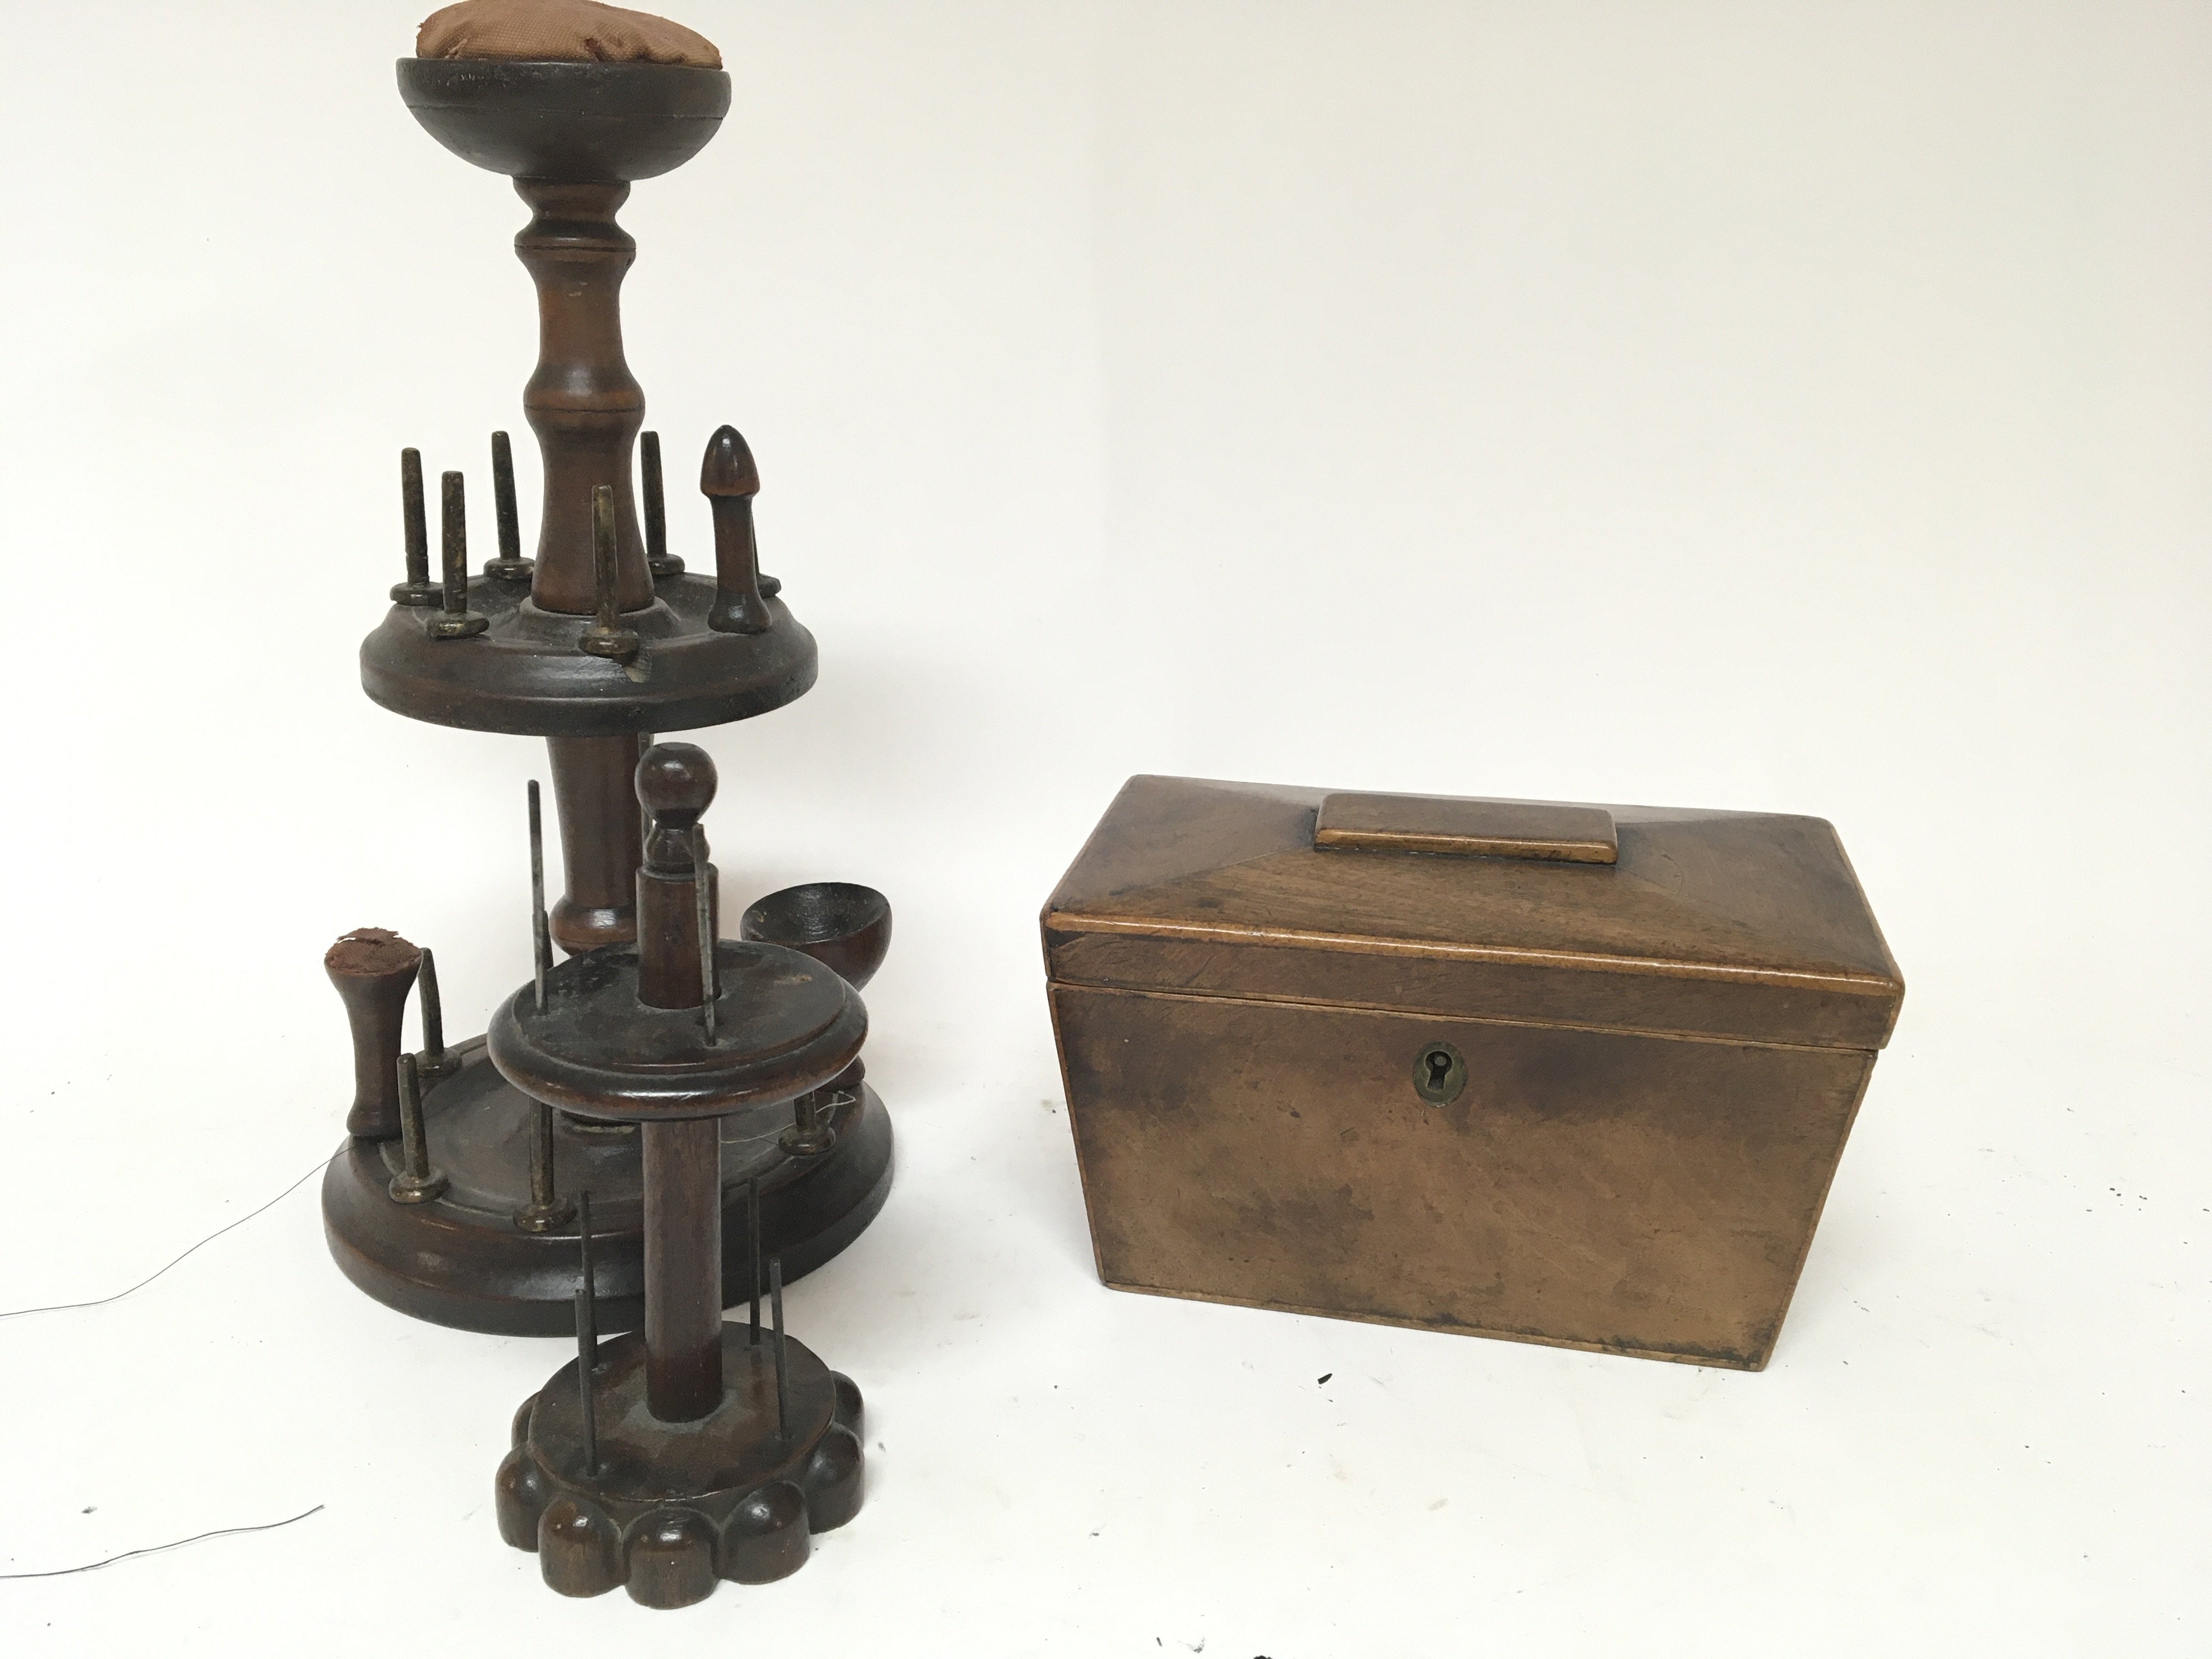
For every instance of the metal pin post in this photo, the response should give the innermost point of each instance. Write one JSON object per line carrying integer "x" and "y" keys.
{"x": 586, "y": 1362}
{"x": 541, "y": 935}
{"x": 703, "y": 892}
{"x": 783, "y": 1378}
{"x": 456, "y": 621}
{"x": 752, "y": 1254}
{"x": 811, "y": 1134}
{"x": 416, "y": 1182}
{"x": 417, "y": 589}
{"x": 588, "y": 1305}
{"x": 545, "y": 1211}
{"x": 606, "y": 636}
{"x": 656, "y": 511}
{"x": 510, "y": 566}
{"x": 434, "y": 1062}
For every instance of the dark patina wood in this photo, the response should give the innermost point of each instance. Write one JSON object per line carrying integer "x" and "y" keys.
{"x": 525, "y": 647}
{"x": 373, "y": 969}
{"x": 1516, "y": 1094}
{"x": 711, "y": 1466}
{"x": 600, "y": 844}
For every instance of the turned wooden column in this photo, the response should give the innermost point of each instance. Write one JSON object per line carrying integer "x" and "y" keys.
{"x": 585, "y": 408}
{"x": 601, "y": 839}
{"x": 583, "y": 403}
{"x": 683, "y": 1269}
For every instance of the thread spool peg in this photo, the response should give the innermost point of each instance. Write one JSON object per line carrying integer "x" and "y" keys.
{"x": 453, "y": 619}
{"x": 811, "y": 1134}
{"x": 437, "y": 1060}
{"x": 418, "y": 589}
{"x": 546, "y": 1209}
{"x": 418, "y": 1181}
{"x": 606, "y": 636}
{"x": 510, "y": 566}
{"x": 658, "y": 559}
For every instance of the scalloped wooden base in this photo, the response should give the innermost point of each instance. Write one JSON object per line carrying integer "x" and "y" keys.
{"x": 668, "y": 1510}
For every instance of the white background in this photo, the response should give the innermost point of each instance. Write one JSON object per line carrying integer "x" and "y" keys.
{"x": 1797, "y": 407}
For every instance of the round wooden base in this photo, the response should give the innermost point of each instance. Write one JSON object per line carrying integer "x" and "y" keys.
{"x": 524, "y": 673}
{"x": 461, "y": 1260}
{"x": 669, "y": 1509}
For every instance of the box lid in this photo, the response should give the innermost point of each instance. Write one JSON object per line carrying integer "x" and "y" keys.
{"x": 1745, "y": 925}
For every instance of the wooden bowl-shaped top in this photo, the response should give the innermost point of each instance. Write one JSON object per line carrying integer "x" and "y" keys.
{"x": 846, "y": 929}
{"x": 574, "y": 122}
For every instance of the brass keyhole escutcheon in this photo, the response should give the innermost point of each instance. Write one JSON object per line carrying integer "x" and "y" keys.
{"x": 1439, "y": 1073}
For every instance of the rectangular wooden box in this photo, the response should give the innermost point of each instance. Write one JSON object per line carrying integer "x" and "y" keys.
{"x": 1575, "y": 1075}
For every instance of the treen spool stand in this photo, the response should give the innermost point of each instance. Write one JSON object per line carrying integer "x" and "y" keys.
{"x": 600, "y": 641}
{"x": 696, "y": 1450}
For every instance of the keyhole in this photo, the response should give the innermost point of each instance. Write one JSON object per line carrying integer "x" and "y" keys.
{"x": 1439, "y": 1073}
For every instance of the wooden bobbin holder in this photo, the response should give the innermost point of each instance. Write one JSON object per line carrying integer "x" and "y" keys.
{"x": 597, "y": 644}
{"x": 697, "y": 1450}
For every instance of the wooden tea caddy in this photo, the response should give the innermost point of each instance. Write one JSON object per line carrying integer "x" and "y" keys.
{"x": 601, "y": 642}
{"x": 1578, "y": 1075}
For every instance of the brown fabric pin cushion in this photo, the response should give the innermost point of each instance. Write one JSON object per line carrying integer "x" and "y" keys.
{"x": 369, "y": 952}
{"x": 560, "y": 31}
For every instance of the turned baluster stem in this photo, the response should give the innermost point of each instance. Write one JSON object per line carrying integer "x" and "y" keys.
{"x": 582, "y": 402}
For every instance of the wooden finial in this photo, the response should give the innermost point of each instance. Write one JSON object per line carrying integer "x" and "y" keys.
{"x": 675, "y": 784}
{"x": 729, "y": 480}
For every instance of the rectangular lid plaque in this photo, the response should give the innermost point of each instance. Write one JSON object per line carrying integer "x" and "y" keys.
{"x": 1466, "y": 827}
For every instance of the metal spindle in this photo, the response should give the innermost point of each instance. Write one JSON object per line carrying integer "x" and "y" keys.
{"x": 434, "y": 1062}
{"x": 541, "y": 935}
{"x": 418, "y": 589}
{"x": 510, "y": 566}
{"x": 657, "y": 559}
{"x": 606, "y": 636}
{"x": 588, "y": 1327}
{"x": 782, "y": 1376}
{"x": 702, "y": 898}
{"x": 456, "y": 621}
{"x": 752, "y": 1254}
{"x": 416, "y": 1182}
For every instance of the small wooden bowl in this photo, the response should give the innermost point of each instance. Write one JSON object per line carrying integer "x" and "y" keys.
{"x": 845, "y": 927}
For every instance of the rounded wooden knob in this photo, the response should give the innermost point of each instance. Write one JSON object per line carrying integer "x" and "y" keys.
{"x": 676, "y": 782}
